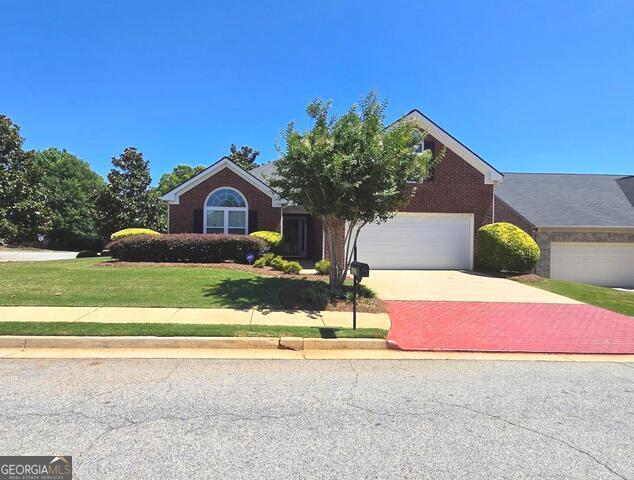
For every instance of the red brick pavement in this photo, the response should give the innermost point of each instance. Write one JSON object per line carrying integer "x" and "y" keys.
{"x": 509, "y": 327}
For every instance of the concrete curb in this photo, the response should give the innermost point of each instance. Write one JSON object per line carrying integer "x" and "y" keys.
{"x": 285, "y": 343}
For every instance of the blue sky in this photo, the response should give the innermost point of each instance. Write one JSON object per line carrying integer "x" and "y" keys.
{"x": 531, "y": 86}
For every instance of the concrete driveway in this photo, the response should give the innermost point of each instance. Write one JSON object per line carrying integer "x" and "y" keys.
{"x": 454, "y": 285}
{"x": 18, "y": 255}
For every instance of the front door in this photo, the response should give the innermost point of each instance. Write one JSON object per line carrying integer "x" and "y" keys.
{"x": 295, "y": 236}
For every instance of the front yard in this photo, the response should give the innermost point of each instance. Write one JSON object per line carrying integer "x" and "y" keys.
{"x": 94, "y": 282}
{"x": 608, "y": 298}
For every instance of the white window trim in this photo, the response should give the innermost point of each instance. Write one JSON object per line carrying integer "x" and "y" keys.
{"x": 226, "y": 211}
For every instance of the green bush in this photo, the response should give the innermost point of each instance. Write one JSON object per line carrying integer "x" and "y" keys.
{"x": 273, "y": 239}
{"x": 504, "y": 247}
{"x": 322, "y": 267}
{"x": 260, "y": 263}
{"x": 292, "y": 268}
{"x": 277, "y": 262}
{"x": 129, "y": 232}
{"x": 268, "y": 257}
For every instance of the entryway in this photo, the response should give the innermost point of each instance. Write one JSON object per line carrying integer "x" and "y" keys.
{"x": 295, "y": 231}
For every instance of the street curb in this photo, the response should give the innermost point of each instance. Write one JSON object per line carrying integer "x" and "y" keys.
{"x": 286, "y": 343}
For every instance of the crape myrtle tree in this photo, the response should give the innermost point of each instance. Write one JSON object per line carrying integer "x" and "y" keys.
{"x": 350, "y": 171}
{"x": 127, "y": 201}
{"x": 23, "y": 209}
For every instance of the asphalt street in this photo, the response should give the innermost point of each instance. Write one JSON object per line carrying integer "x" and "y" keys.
{"x": 225, "y": 419}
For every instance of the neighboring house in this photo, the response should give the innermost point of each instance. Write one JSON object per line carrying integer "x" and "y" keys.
{"x": 583, "y": 224}
{"x": 435, "y": 230}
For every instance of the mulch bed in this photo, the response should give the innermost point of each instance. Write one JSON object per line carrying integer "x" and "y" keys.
{"x": 293, "y": 299}
{"x": 227, "y": 265}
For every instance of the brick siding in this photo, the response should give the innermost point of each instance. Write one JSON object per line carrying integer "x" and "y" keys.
{"x": 504, "y": 213}
{"x": 181, "y": 216}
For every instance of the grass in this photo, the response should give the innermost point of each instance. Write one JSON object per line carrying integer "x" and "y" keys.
{"x": 84, "y": 283}
{"x": 608, "y": 298}
{"x": 179, "y": 330}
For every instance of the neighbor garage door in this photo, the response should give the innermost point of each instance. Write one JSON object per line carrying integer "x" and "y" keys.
{"x": 419, "y": 240}
{"x": 608, "y": 264}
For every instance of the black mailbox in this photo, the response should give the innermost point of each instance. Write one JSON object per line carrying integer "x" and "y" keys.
{"x": 359, "y": 269}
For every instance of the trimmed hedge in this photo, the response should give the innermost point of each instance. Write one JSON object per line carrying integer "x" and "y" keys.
{"x": 274, "y": 239}
{"x": 504, "y": 247}
{"x": 187, "y": 248}
{"x": 129, "y": 232}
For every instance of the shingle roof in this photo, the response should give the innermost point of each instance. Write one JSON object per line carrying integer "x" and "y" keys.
{"x": 264, "y": 172}
{"x": 561, "y": 199}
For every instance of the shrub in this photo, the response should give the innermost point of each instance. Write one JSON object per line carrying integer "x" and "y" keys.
{"x": 322, "y": 267}
{"x": 129, "y": 232}
{"x": 186, "y": 248}
{"x": 277, "y": 262}
{"x": 268, "y": 257}
{"x": 292, "y": 268}
{"x": 504, "y": 247}
{"x": 260, "y": 263}
{"x": 273, "y": 239}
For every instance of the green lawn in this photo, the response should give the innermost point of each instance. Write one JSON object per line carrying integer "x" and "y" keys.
{"x": 178, "y": 330}
{"x": 84, "y": 283}
{"x": 608, "y": 298}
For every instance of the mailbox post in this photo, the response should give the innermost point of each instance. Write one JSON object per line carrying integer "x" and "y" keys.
{"x": 358, "y": 270}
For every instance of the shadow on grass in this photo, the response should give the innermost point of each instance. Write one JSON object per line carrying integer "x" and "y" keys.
{"x": 256, "y": 292}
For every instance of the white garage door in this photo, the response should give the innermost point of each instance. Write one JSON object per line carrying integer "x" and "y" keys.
{"x": 608, "y": 264}
{"x": 419, "y": 240}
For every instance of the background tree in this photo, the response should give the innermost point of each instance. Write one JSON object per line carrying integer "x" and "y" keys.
{"x": 245, "y": 157}
{"x": 23, "y": 212}
{"x": 350, "y": 170}
{"x": 70, "y": 185}
{"x": 180, "y": 174}
{"x": 127, "y": 201}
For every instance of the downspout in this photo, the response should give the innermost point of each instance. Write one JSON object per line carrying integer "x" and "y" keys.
{"x": 493, "y": 203}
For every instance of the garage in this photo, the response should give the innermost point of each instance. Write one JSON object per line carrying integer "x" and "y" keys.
{"x": 607, "y": 264}
{"x": 419, "y": 241}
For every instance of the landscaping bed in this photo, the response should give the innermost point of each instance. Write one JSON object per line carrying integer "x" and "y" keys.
{"x": 181, "y": 330}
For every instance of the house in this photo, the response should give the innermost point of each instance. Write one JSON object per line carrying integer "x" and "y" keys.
{"x": 436, "y": 230}
{"x": 583, "y": 224}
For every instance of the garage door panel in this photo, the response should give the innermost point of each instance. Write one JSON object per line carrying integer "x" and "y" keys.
{"x": 411, "y": 241}
{"x": 607, "y": 264}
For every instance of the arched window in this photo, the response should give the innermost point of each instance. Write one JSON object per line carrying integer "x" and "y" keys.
{"x": 226, "y": 211}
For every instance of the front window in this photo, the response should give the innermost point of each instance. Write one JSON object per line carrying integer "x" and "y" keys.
{"x": 226, "y": 212}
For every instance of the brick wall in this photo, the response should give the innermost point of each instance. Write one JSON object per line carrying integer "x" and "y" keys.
{"x": 456, "y": 187}
{"x": 504, "y": 213}
{"x": 181, "y": 216}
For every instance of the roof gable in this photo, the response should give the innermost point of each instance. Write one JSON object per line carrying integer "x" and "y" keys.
{"x": 172, "y": 197}
{"x": 491, "y": 175}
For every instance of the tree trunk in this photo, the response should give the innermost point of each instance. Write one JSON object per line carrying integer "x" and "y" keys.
{"x": 333, "y": 231}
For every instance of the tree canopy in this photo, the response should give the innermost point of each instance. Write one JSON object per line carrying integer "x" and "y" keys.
{"x": 245, "y": 157}
{"x": 70, "y": 185}
{"x": 127, "y": 201}
{"x": 23, "y": 210}
{"x": 180, "y": 174}
{"x": 350, "y": 171}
